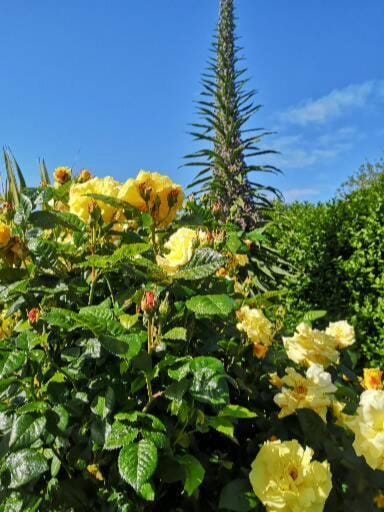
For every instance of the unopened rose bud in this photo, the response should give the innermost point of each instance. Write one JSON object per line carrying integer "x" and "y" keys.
{"x": 62, "y": 175}
{"x": 94, "y": 210}
{"x": 164, "y": 307}
{"x": 33, "y": 315}
{"x": 84, "y": 176}
{"x": 148, "y": 303}
{"x": 173, "y": 197}
{"x": 145, "y": 191}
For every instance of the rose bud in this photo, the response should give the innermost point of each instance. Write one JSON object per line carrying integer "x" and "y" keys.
{"x": 148, "y": 303}
{"x": 34, "y": 315}
{"x": 84, "y": 175}
{"x": 62, "y": 175}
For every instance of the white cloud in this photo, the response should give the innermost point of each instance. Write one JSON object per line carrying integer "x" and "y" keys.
{"x": 297, "y": 152}
{"x": 334, "y": 104}
{"x": 296, "y": 194}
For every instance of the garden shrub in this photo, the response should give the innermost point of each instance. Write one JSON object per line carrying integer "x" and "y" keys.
{"x": 337, "y": 252}
{"x": 142, "y": 368}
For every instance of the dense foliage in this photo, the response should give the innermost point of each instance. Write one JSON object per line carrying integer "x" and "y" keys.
{"x": 337, "y": 250}
{"x": 142, "y": 369}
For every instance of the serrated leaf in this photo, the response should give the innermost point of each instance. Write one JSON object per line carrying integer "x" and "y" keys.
{"x": 194, "y": 472}
{"x": 50, "y": 220}
{"x": 120, "y": 435}
{"x": 177, "y": 333}
{"x": 204, "y": 263}
{"x": 209, "y": 384}
{"x": 12, "y": 362}
{"x": 209, "y": 305}
{"x": 237, "y": 411}
{"x": 137, "y": 463}
{"x": 25, "y": 431}
{"x": 311, "y": 316}
{"x": 24, "y": 466}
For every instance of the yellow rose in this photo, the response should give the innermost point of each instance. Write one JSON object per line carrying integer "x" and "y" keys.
{"x": 379, "y": 500}
{"x": 7, "y": 325}
{"x": 79, "y": 202}
{"x": 310, "y": 346}
{"x": 372, "y": 378}
{"x": 256, "y": 326}
{"x": 62, "y": 175}
{"x": 314, "y": 391}
{"x": 368, "y": 427}
{"x": 180, "y": 246}
{"x": 5, "y": 235}
{"x": 342, "y": 419}
{"x": 240, "y": 260}
{"x": 343, "y": 332}
{"x": 285, "y": 479}
{"x": 155, "y": 193}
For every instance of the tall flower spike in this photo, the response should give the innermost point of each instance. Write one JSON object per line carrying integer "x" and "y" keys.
{"x": 225, "y": 109}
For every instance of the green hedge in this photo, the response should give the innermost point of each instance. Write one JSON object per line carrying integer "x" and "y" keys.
{"x": 337, "y": 253}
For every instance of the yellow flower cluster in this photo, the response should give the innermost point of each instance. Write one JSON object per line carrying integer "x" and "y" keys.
{"x": 368, "y": 427}
{"x": 257, "y": 327}
{"x": 180, "y": 245}
{"x": 285, "y": 478}
{"x": 149, "y": 192}
{"x": 311, "y": 346}
{"x": 5, "y": 235}
{"x": 314, "y": 391}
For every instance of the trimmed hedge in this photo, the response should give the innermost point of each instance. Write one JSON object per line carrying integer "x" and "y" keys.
{"x": 337, "y": 252}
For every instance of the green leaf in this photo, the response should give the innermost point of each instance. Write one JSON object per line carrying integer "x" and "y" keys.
{"x": 102, "y": 405}
{"x": 222, "y": 424}
{"x": 209, "y": 305}
{"x": 23, "y": 211}
{"x": 209, "y": 384}
{"x": 25, "y": 466}
{"x": 177, "y": 333}
{"x": 204, "y": 263}
{"x": 49, "y": 220}
{"x": 194, "y": 472}
{"x": 137, "y": 463}
{"x": 120, "y": 435}
{"x": 311, "y": 316}
{"x": 25, "y": 431}
{"x": 237, "y": 496}
{"x": 237, "y": 411}
{"x": 11, "y": 363}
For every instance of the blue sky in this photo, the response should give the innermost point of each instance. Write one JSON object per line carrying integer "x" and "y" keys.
{"x": 109, "y": 84}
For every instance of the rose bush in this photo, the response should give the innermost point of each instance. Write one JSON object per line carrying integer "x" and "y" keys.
{"x": 142, "y": 368}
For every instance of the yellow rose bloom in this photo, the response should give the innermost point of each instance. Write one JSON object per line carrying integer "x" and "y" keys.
{"x": 285, "y": 479}
{"x": 368, "y": 427}
{"x": 372, "y": 378}
{"x": 310, "y": 346}
{"x": 155, "y": 193}
{"x": 6, "y": 325}
{"x": 180, "y": 246}
{"x": 255, "y": 324}
{"x": 5, "y": 235}
{"x": 314, "y": 391}
{"x": 379, "y": 500}
{"x": 79, "y": 202}
{"x": 343, "y": 332}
